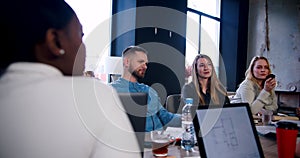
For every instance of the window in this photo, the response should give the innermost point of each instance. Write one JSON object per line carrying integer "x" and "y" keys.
{"x": 203, "y": 30}
{"x": 94, "y": 15}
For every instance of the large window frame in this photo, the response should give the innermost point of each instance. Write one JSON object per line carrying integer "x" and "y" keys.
{"x": 204, "y": 38}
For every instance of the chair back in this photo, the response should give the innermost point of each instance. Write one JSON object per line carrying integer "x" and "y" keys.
{"x": 173, "y": 103}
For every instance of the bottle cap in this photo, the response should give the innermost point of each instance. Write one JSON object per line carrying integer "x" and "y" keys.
{"x": 189, "y": 100}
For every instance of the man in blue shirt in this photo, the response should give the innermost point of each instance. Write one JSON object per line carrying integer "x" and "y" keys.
{"x": 135, "y": 62}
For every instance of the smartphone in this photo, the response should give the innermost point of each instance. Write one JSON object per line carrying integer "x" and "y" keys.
{"x": 270, "y": 76}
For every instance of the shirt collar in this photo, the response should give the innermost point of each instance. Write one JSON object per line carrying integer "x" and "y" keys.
{"x": 34, "y": 68}
{"x": 126, "y": 81}
{"x": 136, "y": 86}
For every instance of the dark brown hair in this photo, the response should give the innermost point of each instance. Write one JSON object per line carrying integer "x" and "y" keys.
{"x": 133, "y": 49}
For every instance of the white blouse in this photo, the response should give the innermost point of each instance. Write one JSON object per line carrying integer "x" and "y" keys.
{"x": 45, "y": 114}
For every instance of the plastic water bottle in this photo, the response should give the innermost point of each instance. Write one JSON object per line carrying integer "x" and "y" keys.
{"x": 187, "y": 140}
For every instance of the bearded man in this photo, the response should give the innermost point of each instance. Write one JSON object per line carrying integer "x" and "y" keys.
{"x": 135, "y": 62}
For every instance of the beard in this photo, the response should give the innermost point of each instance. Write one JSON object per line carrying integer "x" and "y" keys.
{"x": 138, "y": 75}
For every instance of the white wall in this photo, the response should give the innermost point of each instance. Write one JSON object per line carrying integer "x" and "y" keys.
{"x": 94, "y": 16}
{"x": 284, "y": 48}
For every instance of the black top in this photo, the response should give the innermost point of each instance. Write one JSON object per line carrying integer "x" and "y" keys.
{"x": 206, "y": 97}
{"x": 189, "y": 91}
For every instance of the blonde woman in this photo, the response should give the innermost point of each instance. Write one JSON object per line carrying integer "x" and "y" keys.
{"x": 205, "y": 87}
{"x": 256, "y": 89}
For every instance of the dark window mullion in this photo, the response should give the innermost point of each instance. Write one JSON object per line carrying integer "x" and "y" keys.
{"x": 203, "y": 14}
{"x": 199, "y": 41}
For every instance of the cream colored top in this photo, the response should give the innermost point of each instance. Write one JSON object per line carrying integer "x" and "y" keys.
{"x": 44, "y": 114}
{"x": 250, "y": 92}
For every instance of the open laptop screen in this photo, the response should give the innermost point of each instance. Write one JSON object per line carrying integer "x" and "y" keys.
{"x": 227, "y": 132}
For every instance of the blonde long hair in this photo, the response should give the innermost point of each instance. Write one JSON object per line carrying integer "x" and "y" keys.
{"x": 249, "y": 72}
{"x": 214, "y": 83}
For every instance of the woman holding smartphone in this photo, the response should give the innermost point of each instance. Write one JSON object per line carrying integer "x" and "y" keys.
{"x": 258, "y": 89}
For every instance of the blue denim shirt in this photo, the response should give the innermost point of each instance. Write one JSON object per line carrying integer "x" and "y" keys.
{"x": 157, "y": 115}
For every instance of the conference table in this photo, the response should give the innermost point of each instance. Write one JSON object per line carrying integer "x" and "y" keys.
{"x": 268, "y": 143}
{"x": 269, "y": 147}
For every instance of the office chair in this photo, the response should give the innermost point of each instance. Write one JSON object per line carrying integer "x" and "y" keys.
{"x": 173, "y": 103}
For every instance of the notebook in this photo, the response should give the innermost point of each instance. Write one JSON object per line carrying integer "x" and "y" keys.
{"x": 135, "y": 105}
{"x": 226, "y": 132}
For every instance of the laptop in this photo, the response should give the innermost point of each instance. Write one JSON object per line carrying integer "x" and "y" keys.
{"x": 135, "y": 105}
{"x": 226, "y": 132}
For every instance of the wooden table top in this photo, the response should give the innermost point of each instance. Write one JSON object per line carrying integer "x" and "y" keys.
{"x": 269, "y": 147}
{"x": 269, "y": 144}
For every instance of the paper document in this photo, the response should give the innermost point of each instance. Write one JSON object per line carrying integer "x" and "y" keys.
{"x": 174, "y": 131}
{"x": 265, "y": 129}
